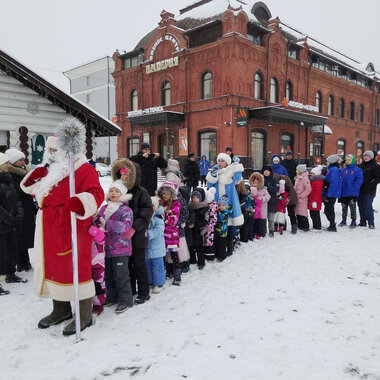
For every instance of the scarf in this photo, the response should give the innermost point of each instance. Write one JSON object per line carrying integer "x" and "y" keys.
{"x": 112, "y": 207}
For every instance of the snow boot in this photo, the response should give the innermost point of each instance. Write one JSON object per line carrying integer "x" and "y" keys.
{"x": 85, "y": 307}
{"x": 276, "y": 227}
{"x": 61, "y": 312}
{"x": 331, "y": 228}
{"x": 342, "y": 223}
{"x": 281, "y": 230}
{"x": 353, "y": 224}
{"x": 177, "y": 277}
{"x": 3, "y": 292}
{"x": 13, "y": 278}
{"x": 294, "y": 229}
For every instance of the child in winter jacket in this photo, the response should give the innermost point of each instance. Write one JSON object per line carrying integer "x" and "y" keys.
{"x": 281, "y": 203}
{"x": 156, "y": 250}
{"x": 261, "y": 197}
{"x": 221, "y": 228}
{"x": 303, "y": 189}
{"x": 98, "y": 254}
{"x": 317, "y": 181}
{"x": 247, "y": 209}
{"x": 198, "y": 205}
{"x": 212, "y": 211}
{"x": 172, "y": 208}
{"x": 352, "y": 179}
{"x": 117, "y": 218}
{"x": 271, "y": 184}
{"x": 204, "y": 165}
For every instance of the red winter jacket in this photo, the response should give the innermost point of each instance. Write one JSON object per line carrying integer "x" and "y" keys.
{"x": 315, "y": 197}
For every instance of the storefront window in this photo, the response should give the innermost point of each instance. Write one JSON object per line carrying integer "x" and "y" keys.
{"x": 162, "y": 145}
{"x": 207, "y": 85}
{"x": 341, "y": 148}
{"x": 258, "y": 148}
{"x": 287, "y": 142}
{"x": 207, "y": 146}
{"x": 133, "y": 146}
{"x": 359, "y": 151}
{"x": 165, "y": 93}
{"x": 134, "y": 101}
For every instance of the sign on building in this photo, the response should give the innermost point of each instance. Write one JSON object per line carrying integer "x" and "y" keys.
{"x": 242, "y": 116}
{"x": 183, "y": 145}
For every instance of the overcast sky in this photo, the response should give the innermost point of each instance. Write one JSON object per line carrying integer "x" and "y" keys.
{"x": 51, "y": 36}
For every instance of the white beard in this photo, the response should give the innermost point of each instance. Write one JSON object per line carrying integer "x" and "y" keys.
{"x": 57, "y": 171}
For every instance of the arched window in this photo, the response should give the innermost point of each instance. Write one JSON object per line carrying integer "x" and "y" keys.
{"x": 134, "y": 101}
{"x": 207, "y": 145}
{"x": 165, "y": 93}
{"x": 258, "y": 148}
{"x": 341, "y": 107}
{"x": 259, "y": 86}
{"x": 287, "y": 142}
{"x": 377, "y": 117}
{"x": 341, "y": 148}
{"x": 207, "y": 85}
{"x": 330, "y": 108}
{"x": 318, "y": 101}
{"x": 289, "y": 90}
{"x": 361, "y": 113}
{"x": 133, "y": 146}
{"x": 273, "y": 90}
{"x": 359, "y": 151}
{"x": 352, "y": 110}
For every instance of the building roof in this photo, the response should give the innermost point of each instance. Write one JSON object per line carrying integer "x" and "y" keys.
{"x": 74, "y": 107}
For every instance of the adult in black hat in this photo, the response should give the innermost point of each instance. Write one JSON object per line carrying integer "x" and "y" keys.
{"x": 149, "y": 162}
{"x": 191, "y": 173}
{"x": 290, "y": 164}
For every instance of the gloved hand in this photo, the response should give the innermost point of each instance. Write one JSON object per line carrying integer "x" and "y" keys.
{"x": 203, "y": 231}
{"x": 128, "y": 235}
{"x": 36, "y": 175}
{"x": 97, "y": 234}
{"x": 75, "y": 205}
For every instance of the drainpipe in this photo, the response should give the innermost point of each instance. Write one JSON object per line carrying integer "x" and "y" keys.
{"x": 266, "y": 102}
{"x": 108, "y": 106}
{"x": 187, "y": 116}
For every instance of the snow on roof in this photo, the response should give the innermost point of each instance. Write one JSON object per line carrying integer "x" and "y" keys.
{"x": 216, "y": 7}
{"x": 322, "y": 49}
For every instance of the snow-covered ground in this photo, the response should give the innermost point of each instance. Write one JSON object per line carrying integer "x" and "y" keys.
{"x": 292, "y": 307}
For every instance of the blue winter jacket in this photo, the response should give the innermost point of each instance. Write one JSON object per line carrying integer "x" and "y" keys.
{"x": 156, "y": 241}
{"x": 204, "y": 165}
{"x": 278, "y": 168}
{"x": 334, "y": 181}
{"x": 352, "y": 179}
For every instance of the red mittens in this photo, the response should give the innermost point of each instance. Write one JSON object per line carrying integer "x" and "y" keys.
{"x": 130, "y": 233}
{"x": 35, "y": 175}
{"x": 75, "y": 205}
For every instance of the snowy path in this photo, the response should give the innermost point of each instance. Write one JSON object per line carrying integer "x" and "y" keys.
{"x": 292, "y": 307}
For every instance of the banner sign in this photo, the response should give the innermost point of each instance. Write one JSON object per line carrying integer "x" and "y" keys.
{"x": 146, "y": 111}
{"x": 183, "y": 145}
{"x": 242, "y": 116}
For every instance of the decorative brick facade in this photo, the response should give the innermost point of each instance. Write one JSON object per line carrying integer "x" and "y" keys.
{"x": 233, "y": 60}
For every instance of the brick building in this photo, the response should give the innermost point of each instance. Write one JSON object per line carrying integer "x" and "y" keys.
{"x": 217, "y": 76}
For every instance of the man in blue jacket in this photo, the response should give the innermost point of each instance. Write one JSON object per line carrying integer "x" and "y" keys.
{"x": 352, "y": 179}
{"x": 204, "y": 166}
{"x": 333, "y": 190}
{"x": 277, "y": 168}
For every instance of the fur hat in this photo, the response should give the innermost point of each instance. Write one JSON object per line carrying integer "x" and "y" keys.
{"x": 301, "y": 168}
{"x": 332, "y": 159}
{"x": 210, "y": 194}
{"x": 145, "y": 145}
{"x": 369, "y": 153}
{"x": 266, "y": 167}
{"x": 14, "y": 155}
{"x": 223, "y": 200}
{"x": 353, "y": 158}
{"x": 317, "y": 170}
{"x": 172, "y": 162}
{"x": 52, "y": 142}
{"x": 225, "y": 157}
{"x": 3, "y": 159}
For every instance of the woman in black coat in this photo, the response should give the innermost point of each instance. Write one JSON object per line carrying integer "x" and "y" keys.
{"x": 11, "y": 217}
{"x": 25, "y": 234}
{"x": 191, "y": 173}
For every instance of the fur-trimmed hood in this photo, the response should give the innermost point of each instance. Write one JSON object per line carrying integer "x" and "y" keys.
{"x": 21, "y": 172}
{"x": 124, "y": 163}
{"x": 169, "y": 189}
{"x": 260, "y": 178}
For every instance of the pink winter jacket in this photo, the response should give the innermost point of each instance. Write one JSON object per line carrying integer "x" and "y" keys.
{"x": 263, "y": 196}
{"x": 303, "y": 189}
{"x": 171, "y": 231}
